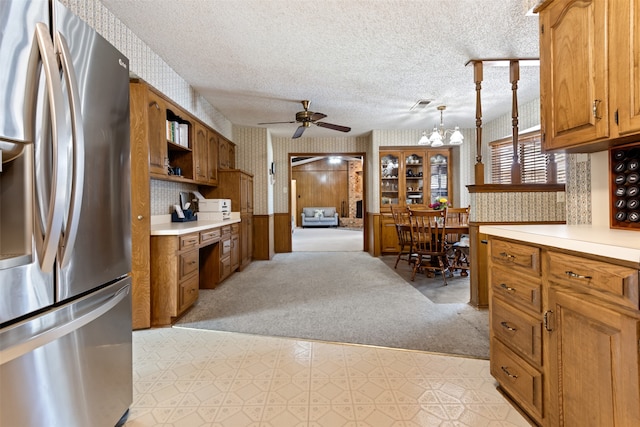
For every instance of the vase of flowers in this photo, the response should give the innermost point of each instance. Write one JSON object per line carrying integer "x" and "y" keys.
{"x": 439, "y": 204}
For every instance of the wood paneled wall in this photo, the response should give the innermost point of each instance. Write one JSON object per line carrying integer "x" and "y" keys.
{"x": 263, "y": 231}
{"x": 322, "y": 184}
{"x": 282, "y": 237}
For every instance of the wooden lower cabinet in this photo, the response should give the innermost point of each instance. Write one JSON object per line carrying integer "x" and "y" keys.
{"x": 174, "y": 276}
{"x": 225, "y": 253}
{"x": 593, "y": 363}
{"x": 388, "y": 235}
{"x": 565, "y": 334}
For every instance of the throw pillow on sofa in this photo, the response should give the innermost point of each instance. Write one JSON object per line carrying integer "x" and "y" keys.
{"x": 318, "y": 213}
{"x": 329, "y": 212}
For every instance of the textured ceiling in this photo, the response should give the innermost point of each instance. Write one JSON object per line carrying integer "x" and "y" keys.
{"x": 363, "y": 63}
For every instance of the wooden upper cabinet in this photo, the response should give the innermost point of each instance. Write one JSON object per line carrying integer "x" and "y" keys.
{"x": 232, "y": 155}
{"x": 573, "y": 73}
{"x": 201, "y": 154}
{"x": 625, "y": 46}
{"x": 212, "y": 160}
{"x": 158, "y": 152}
{"x": 223, "y": 153}
{"x": 589, "y": 73}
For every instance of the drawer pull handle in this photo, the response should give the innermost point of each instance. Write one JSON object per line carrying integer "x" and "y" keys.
{"x": 507, "y": 327}
{"x": 508, "y": 256}
{"x": 507, "y": 288}
{"x": 191, "y": 262}
{"x": 577, "y": 276}
{"x": 509, "y": 374}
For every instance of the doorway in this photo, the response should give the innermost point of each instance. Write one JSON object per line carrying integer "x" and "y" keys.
{"x": 329, "y": 182}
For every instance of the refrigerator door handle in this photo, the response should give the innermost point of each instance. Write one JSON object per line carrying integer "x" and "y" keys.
{"x": 62, "y": 329}
{"x": 47, "y": 234}
{"x": 77, "y": 179}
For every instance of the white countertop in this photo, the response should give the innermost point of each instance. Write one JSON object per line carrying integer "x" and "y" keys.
{"x": 601, "y": 241}
{"x": 161, "y": 225}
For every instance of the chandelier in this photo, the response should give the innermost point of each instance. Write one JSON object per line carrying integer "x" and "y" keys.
{"x": 439, "y": 134}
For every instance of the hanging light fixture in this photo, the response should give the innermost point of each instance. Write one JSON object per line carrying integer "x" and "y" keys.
{"x": 439, "y": 134}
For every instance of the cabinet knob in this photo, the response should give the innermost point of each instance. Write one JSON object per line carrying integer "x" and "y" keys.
{"x": 140, "y": 217}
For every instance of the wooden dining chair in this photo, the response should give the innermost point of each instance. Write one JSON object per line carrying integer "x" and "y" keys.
{"x": 458, "y": 242}
{"x": 428, "y": 241}
{"x": 401, "y": 220}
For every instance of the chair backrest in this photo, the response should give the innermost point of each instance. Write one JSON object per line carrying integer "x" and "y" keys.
{"x": 457, "y": 216}
{"x": 428, "y": 230}
{"x": 401, "y": 220}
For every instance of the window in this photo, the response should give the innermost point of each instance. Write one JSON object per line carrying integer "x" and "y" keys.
{"x": 535, "y": 166}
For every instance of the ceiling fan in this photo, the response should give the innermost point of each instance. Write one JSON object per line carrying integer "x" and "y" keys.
{"x": 306, "y": 118}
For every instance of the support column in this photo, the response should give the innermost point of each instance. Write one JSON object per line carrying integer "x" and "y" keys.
{"x": 514, "y": 75}
{"x": 479, "y": 166}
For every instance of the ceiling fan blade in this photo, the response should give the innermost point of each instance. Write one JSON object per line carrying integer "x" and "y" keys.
{"x": 274, "y": 123}
{"x": 299, "y": 132}
{"x": 317, "y": 116}
{"x": 334, "y": 127}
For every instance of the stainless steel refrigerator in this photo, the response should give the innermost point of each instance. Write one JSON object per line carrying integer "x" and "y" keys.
{"x": 65, "y": 236}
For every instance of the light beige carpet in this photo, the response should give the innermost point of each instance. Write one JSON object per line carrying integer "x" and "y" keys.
{"x": 347, "y": 297}
{"x": 324, "y": 239}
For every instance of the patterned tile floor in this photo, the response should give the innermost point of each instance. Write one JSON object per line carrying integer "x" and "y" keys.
{"x": 188, "y": 378}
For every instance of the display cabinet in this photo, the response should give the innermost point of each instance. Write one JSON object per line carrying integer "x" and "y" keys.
{"x": 413, "y": 177}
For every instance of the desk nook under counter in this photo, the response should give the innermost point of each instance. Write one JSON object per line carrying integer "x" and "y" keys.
{"x": 187, "y": 256}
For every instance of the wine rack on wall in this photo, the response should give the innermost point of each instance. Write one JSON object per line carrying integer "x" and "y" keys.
{"x": 624, "y": 163}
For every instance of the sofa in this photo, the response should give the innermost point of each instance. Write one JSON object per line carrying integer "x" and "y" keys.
{"x": 319, "y": 217}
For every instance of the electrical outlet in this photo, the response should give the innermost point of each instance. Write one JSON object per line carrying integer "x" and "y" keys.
{"x": 560, "y": 197}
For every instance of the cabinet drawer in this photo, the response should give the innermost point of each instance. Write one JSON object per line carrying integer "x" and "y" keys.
{"x": 613, "y": 282}
{"x": 514, "y": 255}
{"x": 514, "y": 288}
{"x": 188, "y": 263}
{"x": 225, "y": 248}
{"x": 189, "y": 241}
{"x": 225, "y": 231}
{"x": 225, "y": 267}
{"x": 517, "y": 330}
{"x": 519, "y": 379}
{"x": 235, "y": 228}
{"x": 210, "y": 236}
{"x": 187, "y": 293}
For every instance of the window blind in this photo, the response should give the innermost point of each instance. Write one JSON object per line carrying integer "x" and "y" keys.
{"x": 534, "y": 164}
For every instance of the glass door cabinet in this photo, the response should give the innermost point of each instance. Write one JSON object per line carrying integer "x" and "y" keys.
{"x": 410, "y": 177}
{"x": 414, "y": 177}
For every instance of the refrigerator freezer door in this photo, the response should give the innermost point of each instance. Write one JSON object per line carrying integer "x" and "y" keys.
{"x": 73, "y": 364}
{"x": 18, "y": 22}
{"x": 102, "y": 250}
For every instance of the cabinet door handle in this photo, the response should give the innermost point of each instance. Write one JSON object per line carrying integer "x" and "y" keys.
{"x": 507, "y": 288}
{"x": 594, "y": 107}
{"x": 547, "y": 322}
{"x": 509, "y": 374}
{"x": 155, "y": 104}
{"x": 507, "y": 327}
{"x": 576, "y": 275}
{"x": 508, "y": 256}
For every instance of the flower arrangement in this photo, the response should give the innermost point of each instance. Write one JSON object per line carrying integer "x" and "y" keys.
{"x": 439, "y": 204}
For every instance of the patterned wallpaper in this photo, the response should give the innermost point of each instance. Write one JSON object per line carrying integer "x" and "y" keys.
{"x": 507, "y": 207}
{"x": 256, "y": 149}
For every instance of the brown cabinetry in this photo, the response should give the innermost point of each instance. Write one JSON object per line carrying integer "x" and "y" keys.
{"x": 515, "y": 313}
{"x": 174, "y": 276}
{"x": 226, "y": 153}
{"x": 237, "y": 186}
{"x": 414, "y": 176}
{"x": 411, "y": 177}
{"x": 588, "y": 78}
{"x": 565, "y": 334}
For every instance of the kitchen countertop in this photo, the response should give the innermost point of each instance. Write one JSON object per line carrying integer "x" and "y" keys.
{"x": 602, "y": 241}
{"x": 161, "y": 225}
